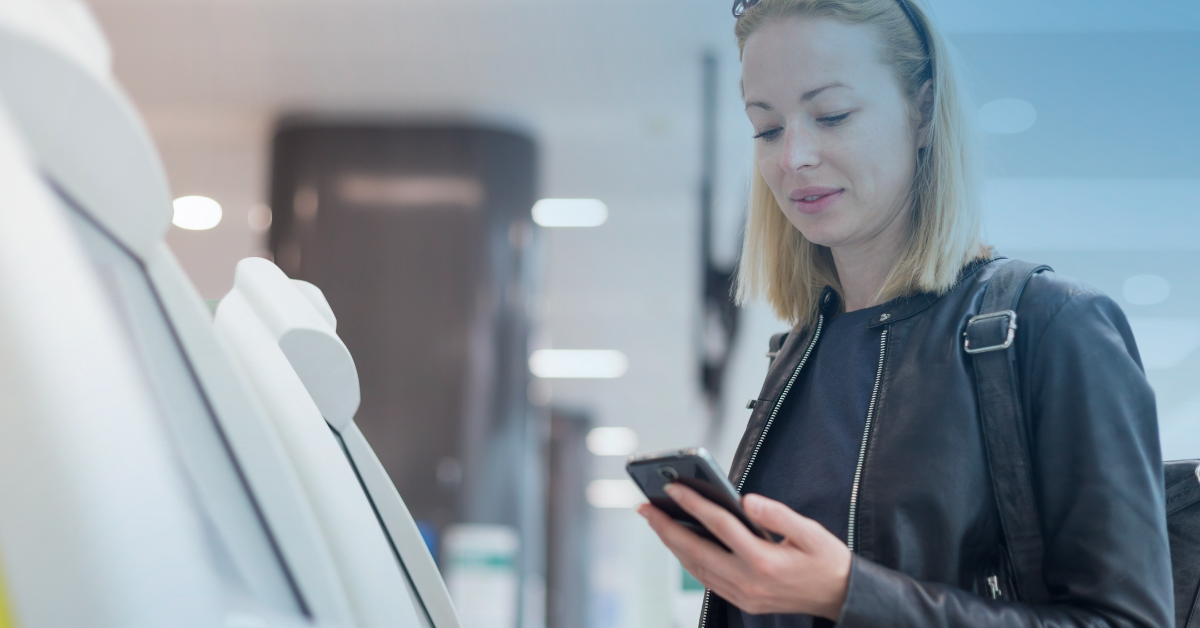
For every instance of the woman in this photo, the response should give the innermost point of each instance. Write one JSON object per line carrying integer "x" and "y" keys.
{"x": 865, "y": 450}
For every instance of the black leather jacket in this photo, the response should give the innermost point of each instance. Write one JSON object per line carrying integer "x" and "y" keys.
{"x": 924, "y": 526}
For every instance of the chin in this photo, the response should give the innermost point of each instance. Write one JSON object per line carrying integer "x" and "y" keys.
{"x": 818, "y": 229}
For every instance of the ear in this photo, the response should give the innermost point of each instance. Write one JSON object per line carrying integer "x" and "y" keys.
{"x": 925, "y": 98}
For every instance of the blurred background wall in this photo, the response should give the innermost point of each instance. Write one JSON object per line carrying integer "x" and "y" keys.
{"x": 1087, "y": 111}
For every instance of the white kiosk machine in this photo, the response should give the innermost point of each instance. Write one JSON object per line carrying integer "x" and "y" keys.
{"x": 283, "y": 333}
{"x": 147, "y": 477}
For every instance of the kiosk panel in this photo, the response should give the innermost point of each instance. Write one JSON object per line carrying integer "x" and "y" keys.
{"x": 242, "y": 547}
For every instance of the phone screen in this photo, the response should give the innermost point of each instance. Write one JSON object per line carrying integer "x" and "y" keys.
{"x": 695, "y": 469}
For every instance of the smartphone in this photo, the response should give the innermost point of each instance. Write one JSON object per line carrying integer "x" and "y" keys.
{"x": 696, "y": 469}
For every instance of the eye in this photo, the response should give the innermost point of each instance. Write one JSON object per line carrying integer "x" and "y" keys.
{"x": 768, "y": 135}
{"x": 834, "y": 120}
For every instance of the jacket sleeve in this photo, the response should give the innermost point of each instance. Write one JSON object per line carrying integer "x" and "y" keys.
{"x": 1099, "y": 486}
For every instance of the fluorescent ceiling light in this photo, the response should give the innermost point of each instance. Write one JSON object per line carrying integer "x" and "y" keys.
{"x": 613, "y": 494}
{"x": 570, "y": 212}
{"x": 612, "y": 441}
{"x": 407, "y": 192}
{"x": 196, "y": 213}
{"x": 560, "y": 363}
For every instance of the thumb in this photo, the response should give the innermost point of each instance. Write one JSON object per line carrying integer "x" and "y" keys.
{"x": 780, "y": 519}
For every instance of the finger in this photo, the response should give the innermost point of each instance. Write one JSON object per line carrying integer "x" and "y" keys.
{"x": 780, "y": 519}
{"x": 710, "y": 564}
{"x": 720, "y": 522}
{"x": 677, "y": 536}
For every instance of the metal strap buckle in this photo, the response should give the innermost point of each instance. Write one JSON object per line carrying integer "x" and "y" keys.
{"x": 1008, "y": 340}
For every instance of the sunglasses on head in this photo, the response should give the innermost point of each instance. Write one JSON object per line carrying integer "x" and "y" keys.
{"x": 740, "y": 6}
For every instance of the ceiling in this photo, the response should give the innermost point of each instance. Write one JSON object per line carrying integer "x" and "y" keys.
{"x": 610, "y": 90}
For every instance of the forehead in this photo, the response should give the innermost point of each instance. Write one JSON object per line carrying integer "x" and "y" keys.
{"x": 786, "y": 58}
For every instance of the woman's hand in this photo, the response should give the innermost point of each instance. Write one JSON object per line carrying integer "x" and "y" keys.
{"x": 806, "y": 573}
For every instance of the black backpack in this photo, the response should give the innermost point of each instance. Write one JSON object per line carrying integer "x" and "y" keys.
{"x": 989, "y": 338}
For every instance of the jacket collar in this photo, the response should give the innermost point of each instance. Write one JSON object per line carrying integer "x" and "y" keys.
{"x": 830, "y": 302}
{"x": 905, "y": 307}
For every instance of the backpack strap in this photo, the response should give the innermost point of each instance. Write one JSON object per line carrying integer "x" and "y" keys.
{"x": 989, "y": 340}
{"x": 1184, "y": 493}
{"x": 776, "y": 345}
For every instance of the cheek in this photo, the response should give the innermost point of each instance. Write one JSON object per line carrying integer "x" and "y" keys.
{"x": 880, "y": 160}
{"x": 768, "y": 164}
{"x": 767, "y": 157}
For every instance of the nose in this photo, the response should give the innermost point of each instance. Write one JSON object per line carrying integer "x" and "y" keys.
{"x": 800, "y": 149}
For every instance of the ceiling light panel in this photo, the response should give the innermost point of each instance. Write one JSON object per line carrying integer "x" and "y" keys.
{"x": 578, "y": 364}
{"x": 196, "y": 213}
{"x": 612, "y": 441}
{"x": 570, "y": 212}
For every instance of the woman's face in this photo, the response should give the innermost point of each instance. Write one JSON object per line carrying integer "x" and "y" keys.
{"x": 834, "y": 135}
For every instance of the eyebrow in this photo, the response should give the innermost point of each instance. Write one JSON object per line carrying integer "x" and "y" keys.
{"x": 807, "y": 96}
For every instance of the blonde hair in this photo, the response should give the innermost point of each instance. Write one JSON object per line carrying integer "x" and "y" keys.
{"x": 944, "y": 221}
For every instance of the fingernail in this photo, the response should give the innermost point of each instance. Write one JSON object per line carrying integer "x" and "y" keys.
{"x": 670, "y": 489}
{"x": 752, "y": 504}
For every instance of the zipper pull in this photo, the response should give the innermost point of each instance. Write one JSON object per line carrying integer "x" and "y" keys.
{"x": 994, "y": 584}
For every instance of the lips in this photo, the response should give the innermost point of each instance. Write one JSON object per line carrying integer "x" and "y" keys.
{"x": 814, "y": 199}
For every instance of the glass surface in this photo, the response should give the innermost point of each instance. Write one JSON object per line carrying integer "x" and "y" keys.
{"x": 418, "y": 605}
{"x": 241, "y": 547}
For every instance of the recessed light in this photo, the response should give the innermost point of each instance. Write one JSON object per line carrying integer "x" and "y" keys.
{"x": 1146, "y": 289}
{"x": 196, "y": 213}
{"x": 1007, "y": 115}
{"x": 570, "y": 212}
{"x": 259, "y": 217}
{"x": 612, "y": 441}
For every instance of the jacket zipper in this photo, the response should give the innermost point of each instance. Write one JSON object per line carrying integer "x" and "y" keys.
{"x": 862, "y": 449}
{"x": 779, "y": 403}
{"x": 762, "y": 437}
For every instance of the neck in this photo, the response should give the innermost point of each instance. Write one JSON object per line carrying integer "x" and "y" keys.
{"x": 863, "y": 267}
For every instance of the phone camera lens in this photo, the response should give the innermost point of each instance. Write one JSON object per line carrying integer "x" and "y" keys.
{"x": 667, "y": 473}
